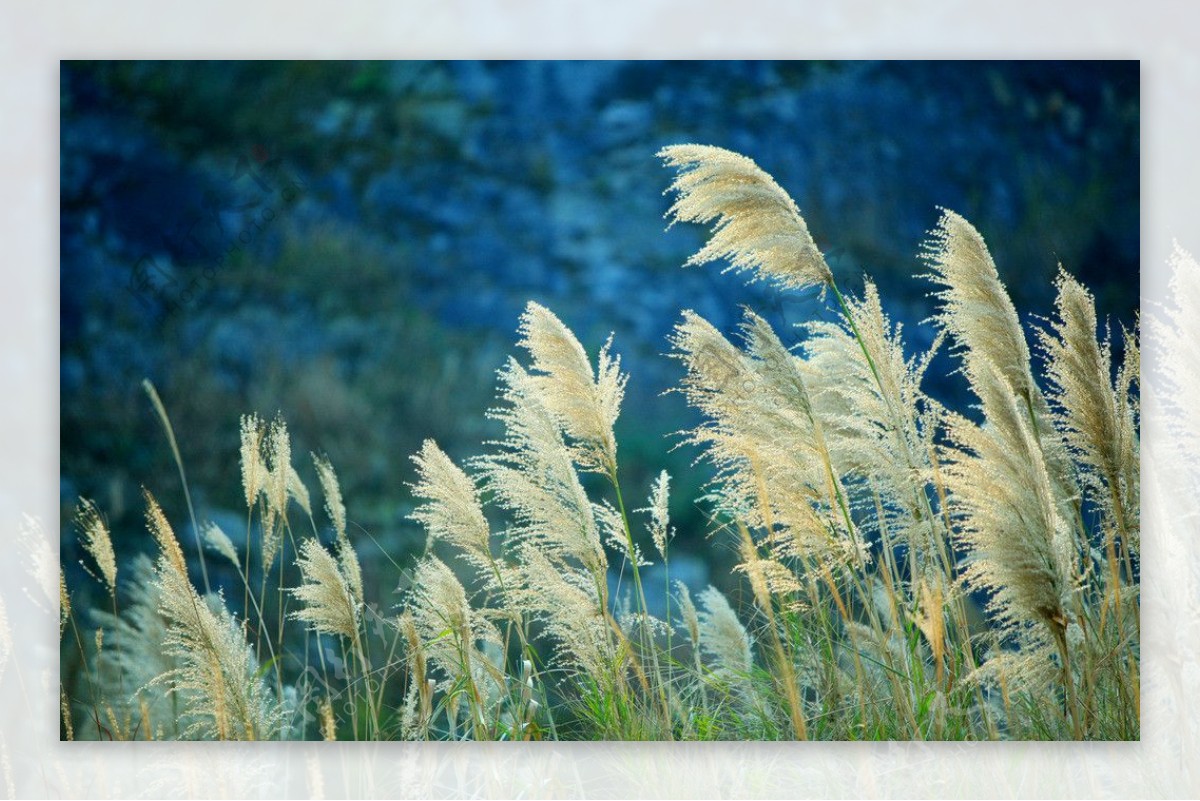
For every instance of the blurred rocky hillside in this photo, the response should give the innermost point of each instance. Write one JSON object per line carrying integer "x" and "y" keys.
{"x": 351, "y": 244}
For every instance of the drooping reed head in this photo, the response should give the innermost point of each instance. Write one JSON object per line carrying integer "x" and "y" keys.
{"x": 755, "y": 223}
{"x": 334, "y": 506}
{"x": 216, "y": 539}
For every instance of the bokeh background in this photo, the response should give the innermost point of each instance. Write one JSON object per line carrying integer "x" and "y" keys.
{"x": 351, "y": 244}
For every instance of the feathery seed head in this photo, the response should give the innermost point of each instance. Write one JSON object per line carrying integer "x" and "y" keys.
{"x": 976, "y": 308}
{"x": 351, "y": 569}
{"x": 723, "y": 638}
{"x": 980, "y": 318}
{"x": 254, "y": 471}
{"x": 756, "y": 225}
{"x": 450, "y": 630}
{"x": 660, "y": 518}
{"x": 278, "y": 451}
{"x": 768, "y": 577}
{"x": 612, "y": 526}
{"x": 584, "y": 404}
{"x": 761, "y": 433}
{"x": 534, "y": 477}
{"x": 219, "y": 541}
{"x": 330, "y": 606}
{"x": 97, "y": 541}
{"x": 297, "y": 491}
{"x": 64, "y": 602}
{"x": 1019, "y": 544}
{"x": 217, "y": 673}
{"x": 687, "y": 612}
{"x": 332, "y": 490}
{"x": 451, "y": 511}
{"x": 328, "y": 724}
{"x": 407, "y": 625}
{"x": 276, "y": 488}
{"x": 1098, "y": 420}
{"x": 567, "y": 603}
{"x": 164, "y": 535}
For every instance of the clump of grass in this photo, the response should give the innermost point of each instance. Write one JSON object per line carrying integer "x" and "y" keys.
{"x": 867, "y": 517}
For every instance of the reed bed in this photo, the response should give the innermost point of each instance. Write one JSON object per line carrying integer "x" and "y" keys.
{"x": 869, "y": 519}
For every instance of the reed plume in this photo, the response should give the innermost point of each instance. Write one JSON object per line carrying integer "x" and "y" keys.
{"x": 1019, "y": 545}
{"x": 219, "y": 541}
{"x": 452, "y": 634}
{"x": 661, "y": 531}
{"x": 689, "y": 619}
{"x": 724, "y": 639}
{"x": 533, "y": 476}
{"x": 297, "y": 491}
{"x": 755, "y": 223}
{"x": 217, "y": 675}
{"x": 879, "y": 424}
{"x": 760, "y": 433}
{"x": 982, "y": 322}
{"x": 451, "y": 510}
{"x": 279, "y": 455}
{"x": 330, "y": 593}
{"x": 976, "y": 309}
{"x": 98, "y": 542}
{"x": 332, "y": 490}
{"x": 583, "y": 403}
{"x": 1097, "y": 418}
{"x": 254, "y": 469}
{"x": 164, "y": 535}
{"x": 569, "y": 606}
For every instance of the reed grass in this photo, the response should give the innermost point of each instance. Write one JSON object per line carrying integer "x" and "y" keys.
{"x": 869, "y": 520}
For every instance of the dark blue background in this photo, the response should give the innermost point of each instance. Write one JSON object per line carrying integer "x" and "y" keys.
{"x": 352, "y": 243}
